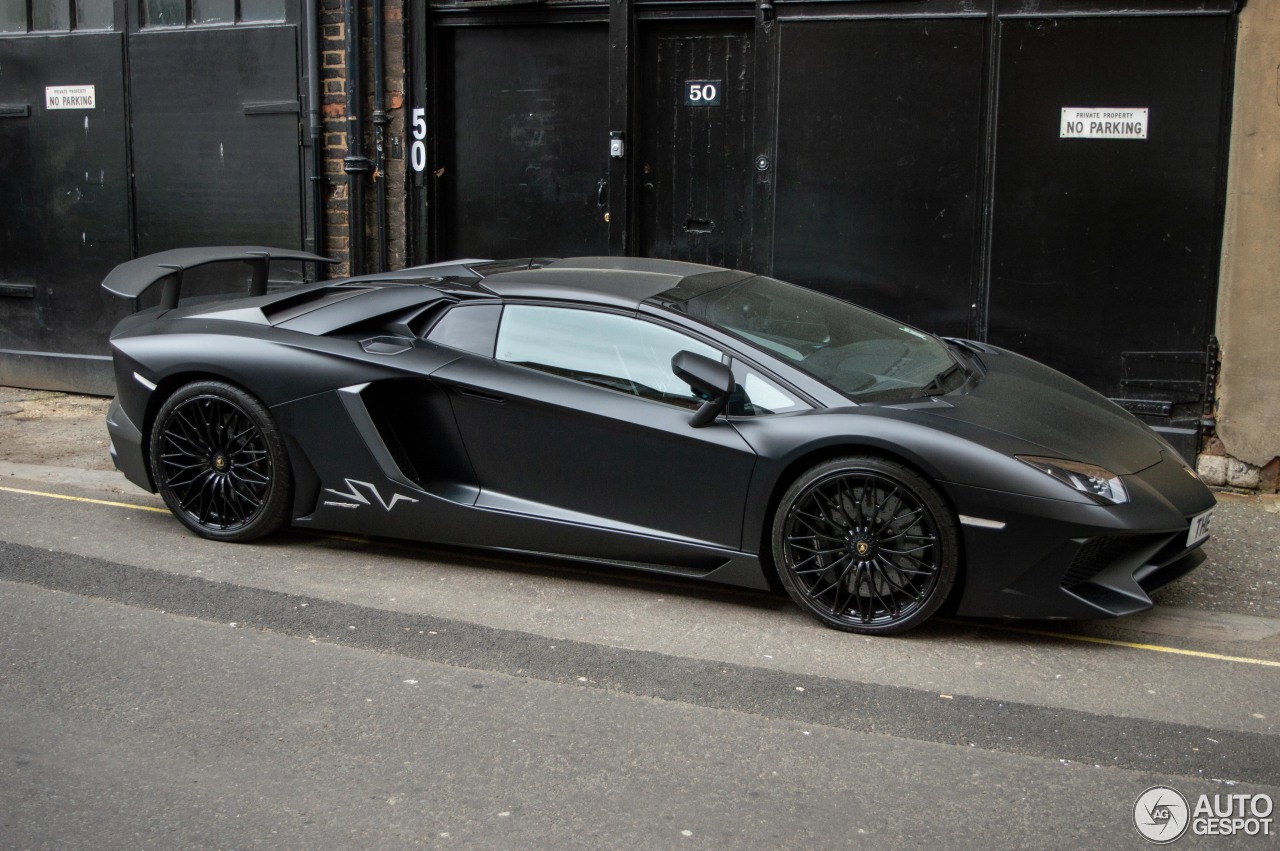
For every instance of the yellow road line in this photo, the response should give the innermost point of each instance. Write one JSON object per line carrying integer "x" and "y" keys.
{"x": 1134, "y": 645}
{"x": 1066, "y": 636}
{"x": 87, "y": 499}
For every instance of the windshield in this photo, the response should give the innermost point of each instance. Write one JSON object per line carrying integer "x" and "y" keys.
{"x": 862, "y": 354}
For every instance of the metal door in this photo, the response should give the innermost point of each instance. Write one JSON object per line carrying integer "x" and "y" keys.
{"x": 1105, "y": 248}
{"x": 695, "y": 174}
{"x": 523, "y": 159}
{"x": 64, "y": 216}
{"x": 879, "y": 137}
{"x": 217, "y": 155}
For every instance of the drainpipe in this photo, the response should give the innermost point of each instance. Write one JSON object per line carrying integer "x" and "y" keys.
{"x": 380, "y": 122}
{"x": 316, "y": 128}
{"x": 355, "y": 163}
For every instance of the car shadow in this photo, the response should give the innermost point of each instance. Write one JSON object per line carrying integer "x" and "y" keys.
{"x": 602, "y": 574}
{"x": 534, "y": 565}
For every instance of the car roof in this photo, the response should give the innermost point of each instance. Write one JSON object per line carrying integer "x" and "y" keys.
{"x": 327, "y": 306}
{"x": 616, "y": 281}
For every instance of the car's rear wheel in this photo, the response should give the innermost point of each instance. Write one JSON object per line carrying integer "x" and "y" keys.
{"x": 866, "y": 545}
{"x": 219, "y": 462}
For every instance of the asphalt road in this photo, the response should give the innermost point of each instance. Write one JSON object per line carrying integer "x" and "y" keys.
{"x": 161, "y": 691}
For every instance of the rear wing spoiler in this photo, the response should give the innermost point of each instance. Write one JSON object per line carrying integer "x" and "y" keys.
{"x": 132, "y": 279}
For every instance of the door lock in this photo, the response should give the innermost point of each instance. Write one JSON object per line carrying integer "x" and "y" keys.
{"x": 616, "y": 146}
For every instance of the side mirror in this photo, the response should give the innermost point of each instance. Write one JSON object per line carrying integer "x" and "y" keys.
{"x": 711, "y": 378}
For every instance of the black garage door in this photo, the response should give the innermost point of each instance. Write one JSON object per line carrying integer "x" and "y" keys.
{"x": 912, "y": 157}
{"x": 128, "y": 128}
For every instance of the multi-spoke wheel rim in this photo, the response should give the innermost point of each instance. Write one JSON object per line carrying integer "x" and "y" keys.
{"x": 214, "y": 463}
{"x": 862, "y": 549}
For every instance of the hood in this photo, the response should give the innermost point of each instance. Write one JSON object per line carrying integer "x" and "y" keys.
{"x": 1032, "y": 403}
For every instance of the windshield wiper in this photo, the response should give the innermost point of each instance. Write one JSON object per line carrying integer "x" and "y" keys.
{"x": 935, "y": 387}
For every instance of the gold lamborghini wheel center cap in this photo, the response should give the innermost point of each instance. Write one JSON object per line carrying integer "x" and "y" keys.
{"x": 219, "y": 462}
{"x": 862, "y": 546}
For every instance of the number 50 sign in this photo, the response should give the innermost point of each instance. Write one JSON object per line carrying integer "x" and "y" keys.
{"x": 418, "y": 148}
{"x": 702, "y": 92}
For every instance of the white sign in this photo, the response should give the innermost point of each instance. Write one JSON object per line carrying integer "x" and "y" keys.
{"x": 418, "y": 150}
{"x": 1103, "y": 122}
{"x": 70, "y": 97}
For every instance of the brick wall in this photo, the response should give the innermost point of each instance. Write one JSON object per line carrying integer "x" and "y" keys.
{"x": 333, "y": 88}
{"x": 395, "y": 38}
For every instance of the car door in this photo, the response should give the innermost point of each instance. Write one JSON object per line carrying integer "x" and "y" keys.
{"x": 578, "y": 419}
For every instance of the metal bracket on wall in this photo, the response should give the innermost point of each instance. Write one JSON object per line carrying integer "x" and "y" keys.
{"x": 1178, "y": 385}
{"x": 273, "y": 107}
{"x": 15, "y": 110}
{"x": 18, "y": 290}
{"x": 1213, "y": 363}
{"x": 1146, "y": 407}
{"x": 357, "y": 165}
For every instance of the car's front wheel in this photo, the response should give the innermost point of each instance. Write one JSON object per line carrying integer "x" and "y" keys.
{"x": 865, "y": 544}
{"x": 219, "y": 462}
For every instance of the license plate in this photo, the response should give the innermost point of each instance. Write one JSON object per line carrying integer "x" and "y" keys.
{"x": 1199, "y": 528}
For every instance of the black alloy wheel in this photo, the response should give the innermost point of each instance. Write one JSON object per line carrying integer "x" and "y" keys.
{"x": 866, "y": 545}
{"x": 218, "y": 461}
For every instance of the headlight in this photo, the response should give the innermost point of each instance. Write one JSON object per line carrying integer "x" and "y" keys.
{"x": 1089, "y": 479}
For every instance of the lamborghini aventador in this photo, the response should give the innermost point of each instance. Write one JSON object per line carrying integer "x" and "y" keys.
{"x": 655, "y": 415}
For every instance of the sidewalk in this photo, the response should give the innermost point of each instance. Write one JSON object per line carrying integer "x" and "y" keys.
{"x": 61, "y": 439}
{"x": 45, "y": 428}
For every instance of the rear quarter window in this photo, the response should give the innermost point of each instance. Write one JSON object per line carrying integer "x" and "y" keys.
{"x": 470, "y": 327}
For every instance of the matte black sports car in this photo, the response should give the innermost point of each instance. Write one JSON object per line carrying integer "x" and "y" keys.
{"x": 664, "y": 416}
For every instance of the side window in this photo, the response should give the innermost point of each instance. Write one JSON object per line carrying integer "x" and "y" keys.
{"x": 469, "y": 327}
{"x": 601, "y": 349}
{"x": 213, "y": 11}
{"x": 180, "y": 13}
{"x": 50, "y": 15}
{"x": 261, "y": 10}
{"x": 165, "y": 13}
{"x": 756, "y": 395}
{"x": 13, "y": 16}
{"x": 55, "y": 15}
{"x": 94, "y": 15}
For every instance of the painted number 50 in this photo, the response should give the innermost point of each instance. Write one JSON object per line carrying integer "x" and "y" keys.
{"x": 418, "y": 150}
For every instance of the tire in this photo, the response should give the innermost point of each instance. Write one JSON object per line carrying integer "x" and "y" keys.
{"x": 219, "y": 462}
{"x": 866, "y": 545}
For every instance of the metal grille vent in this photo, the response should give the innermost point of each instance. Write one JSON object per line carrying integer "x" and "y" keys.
{"x": 1097, "y": 554}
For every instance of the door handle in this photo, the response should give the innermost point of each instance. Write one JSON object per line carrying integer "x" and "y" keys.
{"x": 602, "y": 192}
{"x": 483, "y": 395}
